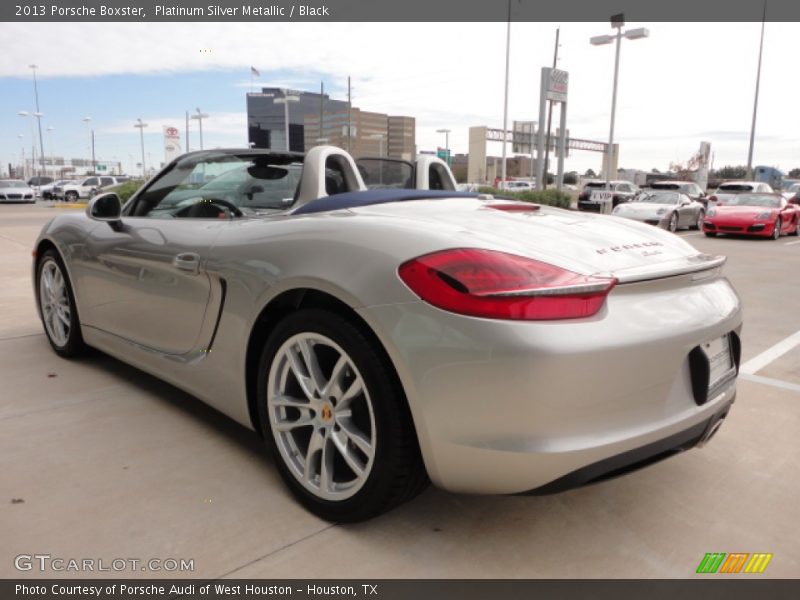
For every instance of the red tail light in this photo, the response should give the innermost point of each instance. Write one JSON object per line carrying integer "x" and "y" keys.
{"x": 496, "y": 285}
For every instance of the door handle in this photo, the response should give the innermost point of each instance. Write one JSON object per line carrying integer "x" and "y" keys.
{"x": 187, "y": 261}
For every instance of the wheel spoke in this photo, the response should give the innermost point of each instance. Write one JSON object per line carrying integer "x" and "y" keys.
{"x": 326, "y": 467}
{"x": 315, "y": 445}
{"x": 340, "y": 439}
{"x": 284, "y": 400}
{"x": 359, "y": 440}
{"x": 296, "y": 366}
{"x": 334, "y": 385}
{"x": 64, "y": 318}
{"x": 312, "y": 364}
{"x": 355, "y": 389}
{"x": 304, "y": 420}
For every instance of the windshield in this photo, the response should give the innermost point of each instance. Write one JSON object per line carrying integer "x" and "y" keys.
{"x": 735, "y": 187}
{"x": 212, "y": 185}
{"x": 13, "y": 184}
{"x": 754, "y": 200}
{"x": 658, "y": 198}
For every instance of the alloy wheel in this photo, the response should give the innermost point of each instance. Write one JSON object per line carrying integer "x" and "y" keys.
{"x": 321, "y": 416}
{"x": 54, "y": 302}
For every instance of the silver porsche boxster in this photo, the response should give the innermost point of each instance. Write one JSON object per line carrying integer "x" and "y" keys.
{"x": 378, "y": 339}
{"x": 664, "y": 208}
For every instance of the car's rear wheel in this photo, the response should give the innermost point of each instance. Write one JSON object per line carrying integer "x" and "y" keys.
{"x": 699, "y": 222}
{"x": 71, "y": 196}
{"x": 336, "y": 418}
{"x": 673, "y": 223}
{"x": 57, "y": 306}
{"x": 776, "y": 231}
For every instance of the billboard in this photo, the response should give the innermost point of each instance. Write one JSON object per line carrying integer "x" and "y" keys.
{"x": 556, "y": 84}
{"x": 172, "y": 143}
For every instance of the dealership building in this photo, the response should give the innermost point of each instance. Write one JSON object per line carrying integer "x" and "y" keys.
{"x": 316, "y": 119}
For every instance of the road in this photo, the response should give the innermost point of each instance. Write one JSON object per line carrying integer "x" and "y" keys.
{"x": 101, "y": 461}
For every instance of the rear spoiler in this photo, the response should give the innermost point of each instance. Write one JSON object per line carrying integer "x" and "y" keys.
{"x": 674, "y": 268}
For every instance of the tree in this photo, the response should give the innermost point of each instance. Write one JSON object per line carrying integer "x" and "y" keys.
{"x": 731, "y": 172}
{"x": 571, "y": 178}
{"x": 590, "y": 173}
{"x": 656, "y": 171}
{"x": 794, "y": 174}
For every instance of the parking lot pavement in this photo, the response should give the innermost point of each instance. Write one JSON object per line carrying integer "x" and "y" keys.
{"x": 98, "y": 460}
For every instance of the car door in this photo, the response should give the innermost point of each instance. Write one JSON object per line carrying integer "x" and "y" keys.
{"x": 144, "y": 279}
{"x": 87, "y": 185}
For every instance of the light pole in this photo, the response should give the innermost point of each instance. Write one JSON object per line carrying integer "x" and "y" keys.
{"x": 446, "y": 133}
{"x": 617, "y": 21}
{"x": 25, "y": 113}
{"x": 88, "y": 120}
{"x": 285, "y": 101}
{"x": 38, "y": 115}
{"x": 22, "y": 153}
{"x": 379, "y": 137}
{"x": 505, "y": 99}
{"x": 52, "y": 151}
{"x": 199, "y": 117}
{"x": 755, "y": 100}
{"x": 140, "y": 126}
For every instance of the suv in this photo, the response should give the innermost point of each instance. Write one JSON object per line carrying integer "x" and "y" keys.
{"x": 85, "y": 188}
{"x": 596, "y": 198}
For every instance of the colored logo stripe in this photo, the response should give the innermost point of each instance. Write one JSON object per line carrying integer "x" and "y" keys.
{"x": 722, "y": 562}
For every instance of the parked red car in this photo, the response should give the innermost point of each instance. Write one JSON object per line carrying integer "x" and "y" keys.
{"x": 764, "y": 215}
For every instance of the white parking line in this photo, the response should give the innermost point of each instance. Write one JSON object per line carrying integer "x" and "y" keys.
{"x": 762, "y": 360}
{"x": 784, "y": 385}
{"x": 792, "y": 243}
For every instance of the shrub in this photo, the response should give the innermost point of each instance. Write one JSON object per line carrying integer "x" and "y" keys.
{"x": 126, "y": 190}
{"x": 547, "y": 197}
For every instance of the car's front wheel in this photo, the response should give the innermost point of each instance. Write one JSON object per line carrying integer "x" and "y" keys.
{"x": 57, "y": 306}
{"x": 71, "y": 196}
{"x": 673, "y": 223}
{"x": 698, "y": 224}
{"x": 336, "y": 418}
{"x": 776, "y": 231}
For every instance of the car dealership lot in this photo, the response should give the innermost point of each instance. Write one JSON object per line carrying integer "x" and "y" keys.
{"x": 98, "y": 460}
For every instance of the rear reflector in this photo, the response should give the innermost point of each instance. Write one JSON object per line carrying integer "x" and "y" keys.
{"x": 497, "y": 285}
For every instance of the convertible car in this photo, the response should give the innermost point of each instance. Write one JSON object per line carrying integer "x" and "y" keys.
{"x": 379, "y": 339}
{"x": 667, "y": 209}
{"x": 763, "y": 215}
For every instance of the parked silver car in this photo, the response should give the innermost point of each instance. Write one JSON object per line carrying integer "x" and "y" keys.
{"x": 379, "y": 338}
{"x": 16, "y": 190}
{"x": 670, "y": 210}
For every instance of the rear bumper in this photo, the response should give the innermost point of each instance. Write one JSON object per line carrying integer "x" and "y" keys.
{"x": 506, "y": 407}
{"x": 638, "y": 458}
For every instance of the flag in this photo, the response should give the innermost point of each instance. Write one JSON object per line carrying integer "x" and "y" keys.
{"x": 254, "y": 71}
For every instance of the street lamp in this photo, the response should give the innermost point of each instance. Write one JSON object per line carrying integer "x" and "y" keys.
{"x": 140, "y": 126}
{"x": 22, "y": 154}
{"x": 285, "y": 101}
{"x": 199, "y": 118}
{"x": 25, "y": 113}
{"x": 446, "y": 133}
{"x": 617, "y": 21}
{"x": 505, "y": 98}
{"x": 379, "y": 137}
{"x": 52, "y": 150}
{"x": 87, "y": 120}
{"x": 38, "y": 115}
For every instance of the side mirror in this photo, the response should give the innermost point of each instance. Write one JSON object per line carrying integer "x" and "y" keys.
{"x": 105, "y": 207}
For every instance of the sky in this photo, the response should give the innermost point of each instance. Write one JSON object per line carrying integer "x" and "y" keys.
{"x": 686, "y": 83}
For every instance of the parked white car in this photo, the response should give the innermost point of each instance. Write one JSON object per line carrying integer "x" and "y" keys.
{"x": 84, "y": 188}
{"x": 15, "y": 190}
{"x": 518, "y": 186}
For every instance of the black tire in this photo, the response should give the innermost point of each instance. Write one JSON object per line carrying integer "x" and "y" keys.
{"x": 71, "y": 197}
{"x": 776, "y": 231}
{"x": 74, "y": 345}
{"x": 397, "y": 473}
{"x": 673, "y": 223}
{"x": 710, "y": 233}
{"x": 796, "y": 231}
{"x": 698, "y": 224}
